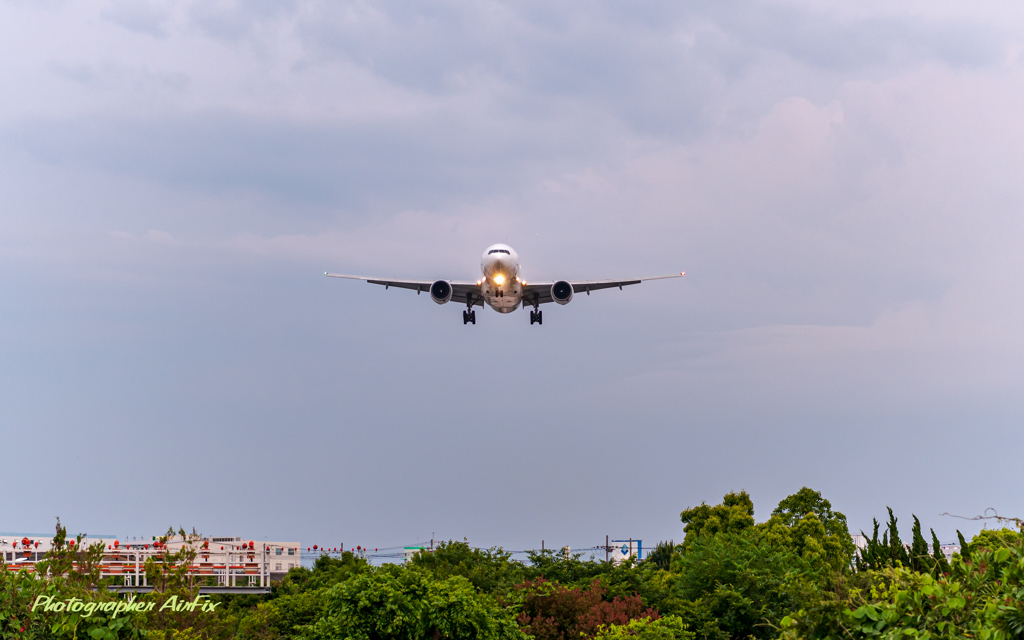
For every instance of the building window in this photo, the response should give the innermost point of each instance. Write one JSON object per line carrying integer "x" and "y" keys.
{"x": 277, "y": 567}
{"x": 277, "y": 551}
{"x": 291, "y": 552}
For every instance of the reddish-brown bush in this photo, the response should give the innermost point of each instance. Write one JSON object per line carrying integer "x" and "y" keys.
{"x": 554, "y": 612}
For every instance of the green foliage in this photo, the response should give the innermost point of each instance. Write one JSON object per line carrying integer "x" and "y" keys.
{"x": 490, "y": 570}
{"x": 735, "y": 514}
{"x": 787, "y": 578}
{"x": 996, "y": 539}
{"x": 410, "y": 603}
{"x": 890, "y": 552}
{"x": 668, "y": 628}
{"x": 662, "y": 555}
{"x": 736, "y": 585}
{"x": 326, "y": 572}
{"x": 569, "y": 570}
{"x": 887, "y": 552}
{"x": 69, "y": 560}
{"x": 806, "y": 523}
{"x": 169, "y": 571}
{"x": 965, "y": 547}
{"x": 981, "y": 598}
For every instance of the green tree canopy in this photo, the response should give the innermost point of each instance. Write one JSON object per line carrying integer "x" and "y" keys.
{"x": 735, "y": 585}
{"x": 996, "y": 539}
{"x": 670, "y": 628}
{"x": 490, "y": 570}
{"x": 407, "y": 603}
{"x": 806, "y": 523}
{"x": 735, "y": 514}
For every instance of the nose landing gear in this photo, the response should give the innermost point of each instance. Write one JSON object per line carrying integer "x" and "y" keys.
{"x": 535, "y": 315}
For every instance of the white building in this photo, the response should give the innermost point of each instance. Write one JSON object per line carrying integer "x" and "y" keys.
{"x": 228, "y": 558}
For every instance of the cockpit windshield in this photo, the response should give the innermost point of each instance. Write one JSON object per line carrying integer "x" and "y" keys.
{"x": 505, "y": 251}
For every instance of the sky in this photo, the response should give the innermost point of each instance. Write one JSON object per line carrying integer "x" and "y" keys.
{"x": 840, "y": 182}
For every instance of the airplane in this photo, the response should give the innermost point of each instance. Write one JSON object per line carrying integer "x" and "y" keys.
{"x": 501, "y": 287}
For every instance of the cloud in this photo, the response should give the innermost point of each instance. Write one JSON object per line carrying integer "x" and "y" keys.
{"x": 149, "y": 18}
{"x": 840, "y": 183}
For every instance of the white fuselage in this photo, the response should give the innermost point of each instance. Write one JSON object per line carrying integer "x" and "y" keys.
{"x": 501, "y": 287}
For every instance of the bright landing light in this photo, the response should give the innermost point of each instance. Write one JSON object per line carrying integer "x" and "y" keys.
{"x": 499, "y": 279}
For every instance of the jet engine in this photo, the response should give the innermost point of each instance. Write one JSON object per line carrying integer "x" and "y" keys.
{"x": 561, "y": 292}
{"x": 441, "y": 292}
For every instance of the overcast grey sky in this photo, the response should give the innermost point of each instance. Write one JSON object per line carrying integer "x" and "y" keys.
{"x": 840, "y": 181}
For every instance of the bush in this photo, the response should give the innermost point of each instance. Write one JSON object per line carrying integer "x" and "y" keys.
{"x": 397, "y": 602}
{"x": 980, "y": 598}
{"x": 551, "y": 611}
{"x": 669, "y": 628}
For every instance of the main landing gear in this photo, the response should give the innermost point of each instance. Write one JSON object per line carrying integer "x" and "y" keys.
{"x": 535, "y": 316}
{"x": 469, "y": 315}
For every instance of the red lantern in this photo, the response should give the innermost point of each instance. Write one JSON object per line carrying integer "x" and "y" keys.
{"x": 71, "y": 544}
{"x": 117, "y": 543}
{"x": 25, "y": 542}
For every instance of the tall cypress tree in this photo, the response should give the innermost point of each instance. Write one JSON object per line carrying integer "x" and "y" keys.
{"x": 941, "y": 564}
{"x": 919, "y": 556}
{"x": 897, "y": 552}
{"x": 965, "y": 549}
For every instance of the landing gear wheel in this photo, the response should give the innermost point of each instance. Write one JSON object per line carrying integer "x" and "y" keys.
{"x": 535, "y": 316}
{"x": 468, "y": 316}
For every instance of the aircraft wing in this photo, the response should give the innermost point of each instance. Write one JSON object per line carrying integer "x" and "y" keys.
{"x": 460, "y": 290}
{"x": 540, "y": 292}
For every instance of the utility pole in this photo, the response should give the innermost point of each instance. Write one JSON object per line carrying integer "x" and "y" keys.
{"x": 542, "y": 546}
{"x": 606, "y": 548}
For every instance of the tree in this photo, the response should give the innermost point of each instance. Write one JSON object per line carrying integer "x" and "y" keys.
{"x": 399, "y": 602}
{"x": 668, "y": 628}
{"x": 805, "y": 521}
{"x": 890, "y": 551}
{"x": 736, "y": 513}
{"x": 490, "y": 570}
{"x": 887, "y": 552}
{"x": 662, "y": 555}
{"x": 567, "y": 570}
{"x": 551, "y": 611}
{"x": 736, "y": 585}
{"x": 981, "y": 598}
{"x": 67, "y": 559}
{"x": 996, "y": 539}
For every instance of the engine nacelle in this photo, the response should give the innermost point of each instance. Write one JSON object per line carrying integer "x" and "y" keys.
{"x": 441, "y": 292}
{"x": 561, "y": 292}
